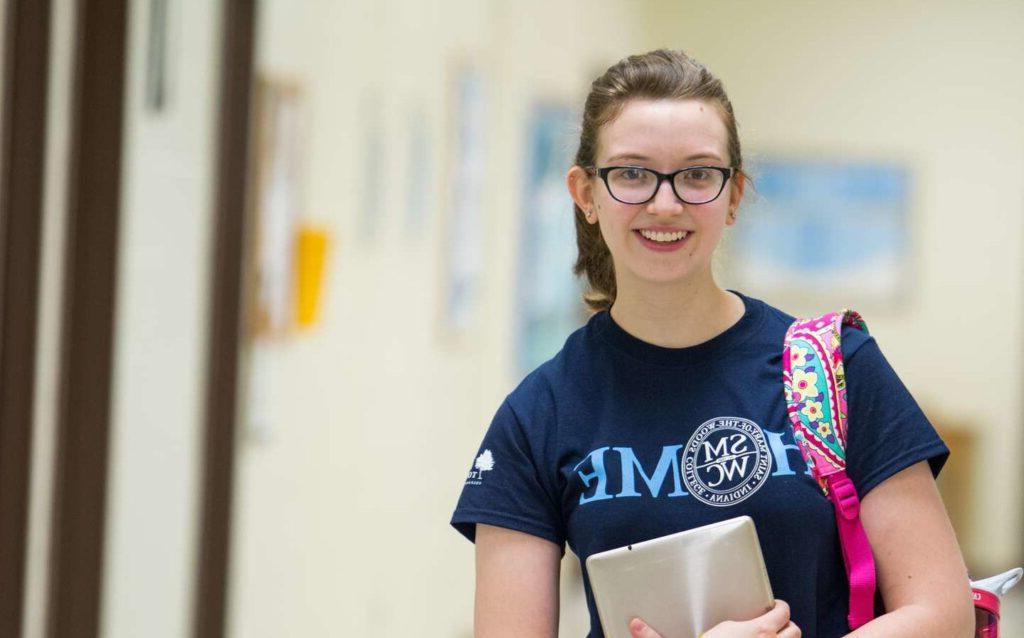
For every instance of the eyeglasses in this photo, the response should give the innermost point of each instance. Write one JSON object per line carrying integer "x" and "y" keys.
{"x": 638, "y": 185}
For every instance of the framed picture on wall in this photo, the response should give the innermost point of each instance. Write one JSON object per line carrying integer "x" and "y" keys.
{"x": 277, "y": 200}
{"x": 824, "y": 229}
{"x": 373, "y": 177}
{"x": 463, "y": 234}
{"x": 549, "y": 296}
{"x": 420, "y": 171}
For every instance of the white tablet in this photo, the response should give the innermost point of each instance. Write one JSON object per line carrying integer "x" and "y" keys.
{"x": 683, "y": 583}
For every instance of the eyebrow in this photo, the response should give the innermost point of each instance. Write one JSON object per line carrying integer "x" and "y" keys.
{"x": 644, "y": 158}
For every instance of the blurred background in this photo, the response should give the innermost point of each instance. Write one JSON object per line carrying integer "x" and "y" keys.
{"x": 270, "y": 267}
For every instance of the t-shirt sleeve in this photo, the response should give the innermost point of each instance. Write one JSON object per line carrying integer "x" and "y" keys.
{"x": 886, "y": 430}
{"x": 506, "y": 485}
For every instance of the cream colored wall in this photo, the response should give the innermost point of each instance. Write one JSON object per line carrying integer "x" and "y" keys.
{"x": 341, "y": 519}
{"x": 343, "y": 496}
{"x": 935, "y": 84}
{"x": 160, "y": 340}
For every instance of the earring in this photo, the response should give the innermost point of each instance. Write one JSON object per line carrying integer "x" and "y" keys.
{"x": 590, "y": 214}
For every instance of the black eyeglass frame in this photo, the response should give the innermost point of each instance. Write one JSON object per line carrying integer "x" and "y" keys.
{"x": 671, "y": 178}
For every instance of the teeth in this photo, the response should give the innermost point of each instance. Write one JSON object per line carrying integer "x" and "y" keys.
{"x": 664, "y": 237}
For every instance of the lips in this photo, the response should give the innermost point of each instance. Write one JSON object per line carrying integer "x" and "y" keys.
{"x": 663, "y": 242}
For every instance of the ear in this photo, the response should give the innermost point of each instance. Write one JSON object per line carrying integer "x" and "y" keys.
{"x": 739, "y": 183}
{"x": 581, "y": 188}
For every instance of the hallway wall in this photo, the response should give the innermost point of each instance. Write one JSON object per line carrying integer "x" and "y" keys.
{"x": 935, "y": 85}
{"x": 341, "y": 523}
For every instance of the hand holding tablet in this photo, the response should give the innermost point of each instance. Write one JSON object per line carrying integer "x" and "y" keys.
{"x": 776, "y": 620}
{"x": 686, "y": 583}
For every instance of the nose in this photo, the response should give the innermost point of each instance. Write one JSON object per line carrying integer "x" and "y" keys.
{"x": 665, "y": 201}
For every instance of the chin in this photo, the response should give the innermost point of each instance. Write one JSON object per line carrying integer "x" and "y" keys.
{"x": 665, "y": 278}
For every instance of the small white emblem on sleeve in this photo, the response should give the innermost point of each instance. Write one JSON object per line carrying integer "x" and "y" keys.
{"x": 484, "y": 463}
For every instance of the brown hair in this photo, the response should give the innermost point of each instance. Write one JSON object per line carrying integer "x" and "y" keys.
{"x": 660, "y": 74}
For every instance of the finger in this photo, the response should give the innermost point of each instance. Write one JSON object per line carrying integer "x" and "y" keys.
{"x": 790, "y": 631}
{"x": 640, "y": 629}
{"x": 779, "y": 615}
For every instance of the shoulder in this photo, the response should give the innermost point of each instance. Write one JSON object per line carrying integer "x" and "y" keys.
{"x": 769, "y": 325}
{"x": 777, "y": 322}
{"x": 854, "y": 341}
{"x": 538, "y": 392}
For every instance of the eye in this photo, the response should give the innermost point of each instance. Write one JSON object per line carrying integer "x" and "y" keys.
{"x": 631, "y": 174}
{"x": 698, "y": 175}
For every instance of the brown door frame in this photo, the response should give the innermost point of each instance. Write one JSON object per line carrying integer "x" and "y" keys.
{"x": 25, "y": 81}
{"x": 224, "y": 319}
{"x": 83, "y": 411}
{"x": 87, "y": 322}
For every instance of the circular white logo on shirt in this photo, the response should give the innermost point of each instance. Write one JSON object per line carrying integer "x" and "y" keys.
{"x": 725, "y": 461}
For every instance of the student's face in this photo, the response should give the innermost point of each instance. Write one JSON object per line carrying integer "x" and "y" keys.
{"x": 664, "y": 135}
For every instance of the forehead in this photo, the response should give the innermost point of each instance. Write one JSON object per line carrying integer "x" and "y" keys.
{"x": 665, "y": 132}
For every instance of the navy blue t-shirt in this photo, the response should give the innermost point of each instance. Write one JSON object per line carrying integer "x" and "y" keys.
{"x": 592, "y": 450}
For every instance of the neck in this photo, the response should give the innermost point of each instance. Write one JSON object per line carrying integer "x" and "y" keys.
{"x": 676, "y": 316}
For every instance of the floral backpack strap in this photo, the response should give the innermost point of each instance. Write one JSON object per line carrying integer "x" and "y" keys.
{"x": 815, "y": 385}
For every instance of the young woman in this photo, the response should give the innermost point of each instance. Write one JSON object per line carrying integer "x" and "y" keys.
{"x": 590, "y": 448}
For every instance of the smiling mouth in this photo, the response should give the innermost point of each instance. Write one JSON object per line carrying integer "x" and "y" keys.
{"x": 663, "y": 238}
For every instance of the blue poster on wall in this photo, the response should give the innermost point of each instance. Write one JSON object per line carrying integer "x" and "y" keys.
{"x": 817, "y": 227}
{"x": 550, "y": 297}
{"x": 465, "y": 224}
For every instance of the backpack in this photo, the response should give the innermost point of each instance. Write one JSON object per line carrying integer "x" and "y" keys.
{"x": 812, "y": 364}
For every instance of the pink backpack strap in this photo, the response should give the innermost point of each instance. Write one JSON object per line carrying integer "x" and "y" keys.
{"x": 812, "y": 363}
